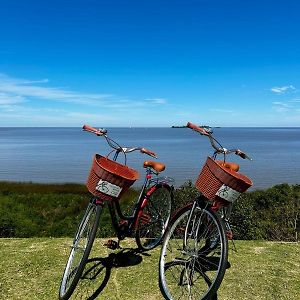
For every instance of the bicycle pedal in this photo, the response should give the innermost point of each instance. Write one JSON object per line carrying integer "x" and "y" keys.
{"x": 111, "y": 244}
{"x": 145, "y": 219}
{"x": 123, "y": 223}
{"x": 229, "y": 234}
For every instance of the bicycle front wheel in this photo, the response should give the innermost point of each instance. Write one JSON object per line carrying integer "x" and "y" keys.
{"x": 80, "y": 250}
{"x": 155, "y": 217}
{"x": 194, "y": 255}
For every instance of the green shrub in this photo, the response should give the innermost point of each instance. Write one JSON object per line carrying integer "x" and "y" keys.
{"x": 184, "y": 194}
{"x": 28, "y": 210}
{"x": 272, "y": 214}
{"x": 32, "y": 210}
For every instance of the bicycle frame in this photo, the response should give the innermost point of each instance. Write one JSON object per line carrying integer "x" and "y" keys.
{"x": 128, "y": 224}
{"x": 202, "y": 203}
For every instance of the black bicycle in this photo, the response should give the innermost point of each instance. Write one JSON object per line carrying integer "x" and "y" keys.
{"x": 108, "y": 181}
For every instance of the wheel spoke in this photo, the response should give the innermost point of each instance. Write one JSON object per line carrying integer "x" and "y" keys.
{"x": 158, "y": 209}
{"x": 80, "y": 250}
{"x": 195, "y": 270}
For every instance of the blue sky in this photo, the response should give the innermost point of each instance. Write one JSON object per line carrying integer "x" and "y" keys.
{"x": 149, "y": 63}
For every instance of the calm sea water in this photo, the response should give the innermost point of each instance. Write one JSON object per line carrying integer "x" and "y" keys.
{"x": 65, "y": 154}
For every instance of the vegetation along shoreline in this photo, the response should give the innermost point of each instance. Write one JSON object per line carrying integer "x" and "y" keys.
{"x": 54, "y": 210}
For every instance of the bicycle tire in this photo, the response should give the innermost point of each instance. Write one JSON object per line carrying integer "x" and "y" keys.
{"x": 82, "y": 245}
{"x": 155, "y": 217}
{"x": 197, "y": 271}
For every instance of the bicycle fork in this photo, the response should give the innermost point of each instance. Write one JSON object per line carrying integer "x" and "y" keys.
{"x": 192, "y": 227}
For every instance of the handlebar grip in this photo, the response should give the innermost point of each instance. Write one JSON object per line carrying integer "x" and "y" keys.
{"x": 197, "y": 128}
{"x": 242, "y": 154}
{"x": 93, "y": 130}
{"x": 150, "y": 153}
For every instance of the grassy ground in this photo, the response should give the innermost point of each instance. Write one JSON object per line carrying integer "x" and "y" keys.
{"x": 31, "y": 269}
{"x": 263, "y": 270}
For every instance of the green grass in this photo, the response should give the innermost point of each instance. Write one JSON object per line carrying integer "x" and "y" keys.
{"x": 31, "y": 269}
{"x": 263, "y": 270}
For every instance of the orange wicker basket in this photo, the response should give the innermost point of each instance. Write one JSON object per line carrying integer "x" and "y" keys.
{"x": 216, "y": 181}
{"x": 109, "y": 179}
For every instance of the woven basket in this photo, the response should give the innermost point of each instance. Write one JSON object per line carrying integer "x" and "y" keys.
{"x": 108, "y": 179}
{"x": 216, "y": 181}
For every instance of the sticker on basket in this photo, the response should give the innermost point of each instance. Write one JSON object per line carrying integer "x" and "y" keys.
{"x": 108, "y": 188}
{"x": 227, "y": 193}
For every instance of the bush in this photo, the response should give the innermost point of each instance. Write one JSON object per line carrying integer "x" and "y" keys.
{"x": 272, "y": 214}
{"x": 28, "y": 210}
{"x": 184, "y": 194}
{"x": 40, "y": 210}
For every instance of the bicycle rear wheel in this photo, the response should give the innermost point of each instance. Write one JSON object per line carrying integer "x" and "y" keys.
{"x": 80, "y": 250}
{"x": 193, "y": 270}
{"x": 154, "y": 220}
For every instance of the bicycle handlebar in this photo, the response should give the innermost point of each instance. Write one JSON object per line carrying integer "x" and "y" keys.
{"x": 150, "y": 153}
{"x": 214, "y": 142}
{"x": 113, "y": 144}
{"x": 242, "y": 154}
{"x": 202, "y": 131}
{"x": 94, "y": 130}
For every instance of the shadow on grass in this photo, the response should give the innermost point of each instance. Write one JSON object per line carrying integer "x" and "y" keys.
{"x": 97, "y": 272}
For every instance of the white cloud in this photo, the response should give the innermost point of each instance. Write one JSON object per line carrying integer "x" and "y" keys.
{"x": 157, "y": 100}
{"x": 14, "y": 90}
{"x": 10, "y": 115}
{"x": 7, "y": 99}
{"x": 283, "y": 89}
{"x": 294, "y": 101}
{"x": 289, "y": 106}
{"x": 281, "y": 106}
{"x": 12, "y": 87}
{"x": 28, "y": 102}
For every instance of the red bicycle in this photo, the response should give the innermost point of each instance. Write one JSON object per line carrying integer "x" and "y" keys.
{"x": 108, "y": 181}
{"x": 194, "y": 251}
